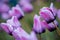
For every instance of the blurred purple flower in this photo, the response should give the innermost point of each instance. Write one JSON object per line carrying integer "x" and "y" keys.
{"x": 5, "y": 16}
{"x": 16, "y": 11}
{"x": 26, "y": 6}
{"x": 38, "y": 26}
{"x": 47, "y": 14}
{"x": 4, "y": 8}
{"x": 11, "y": 25}
{"x": 58, "y": 14}
{"x": 4, "y": 1}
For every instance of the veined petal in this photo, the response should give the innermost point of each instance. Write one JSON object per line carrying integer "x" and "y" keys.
{"x": 14, "y": 22}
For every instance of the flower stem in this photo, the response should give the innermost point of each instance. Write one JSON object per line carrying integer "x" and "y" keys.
{"x": 39, "y": 36}
{"x": 58, "y": 30}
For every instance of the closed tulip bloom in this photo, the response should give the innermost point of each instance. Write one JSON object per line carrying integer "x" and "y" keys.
{"x": 11, "y": 25}
{"x": 58, "y": 14}
{"x": 4, "y": 8}
{"x": 16, "y": 11}
{"x": 38, "y": 25}
{"x": 27, "y": 8}
{"x": 47, "y": 14}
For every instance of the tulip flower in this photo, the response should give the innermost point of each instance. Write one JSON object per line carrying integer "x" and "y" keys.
{"x": 26, "y": 6}
{"x": 16, "y": 11}
{"x": 47, "y": 14}
{"x": 38, "y": 26}
{"x": 11, "y": 25}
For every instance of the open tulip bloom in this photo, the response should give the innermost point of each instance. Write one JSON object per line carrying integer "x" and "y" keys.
{"x": 13, "y": 27}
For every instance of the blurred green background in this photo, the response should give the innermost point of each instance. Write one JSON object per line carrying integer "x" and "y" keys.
{"x": 27, "y": 21}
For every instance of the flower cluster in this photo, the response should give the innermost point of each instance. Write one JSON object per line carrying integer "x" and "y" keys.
{"x": 46, "y": 20}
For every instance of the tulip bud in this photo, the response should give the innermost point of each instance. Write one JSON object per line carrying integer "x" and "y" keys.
{"x": 38, "y": 25}
{"x": 11, "y": 25}
{"x": 47, "y": 14}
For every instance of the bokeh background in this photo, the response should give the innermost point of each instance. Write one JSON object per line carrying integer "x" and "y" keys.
{"x": 27, "y": 21}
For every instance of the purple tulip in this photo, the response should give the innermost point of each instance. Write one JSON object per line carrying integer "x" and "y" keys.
{"x": 38, "y": 26}
{"x": 58, "y": 14}
{"x": 11, "y": 25}
{"x": 16, "y": 11}
{"x": 47, "y": 14}
{"x": 27, "y": 8}
{"x": 4, "y": 8}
